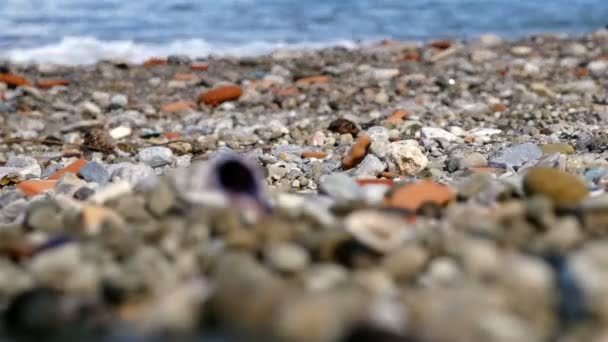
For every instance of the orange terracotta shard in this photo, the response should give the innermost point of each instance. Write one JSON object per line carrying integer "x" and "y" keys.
{"x": 291, "y": 91}
{"x": 484, "y": 169}
{"x": 14, "y": 80}
{"x": 375, "y": 181}
{"x": 412, "y": 56}
{"x": 72, "y": 168}
{"x": 172, "y": 135}
{"x": 357, "y": 152}
{"x": 313, "y": 80}
{"x": 35, "y": 187}
{"x": 178, "y": 106}
{"x": 184, "y": 77}
{"x": 397, "y": 116}
{"x": 314, "y": 154}
{"x": 199, "y": 66}
{"x": 46, "y": 84}
{"x": 221, "y": 94}
{"x": 580, "y": 72}
{"x": 152, "y": 62}
{"x": 441, "y": 44}
{"x": 498, "y": 107}
{"x": 412, "y": 196}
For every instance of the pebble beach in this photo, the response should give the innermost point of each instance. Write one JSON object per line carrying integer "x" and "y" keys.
{"x": 442, "y": 190}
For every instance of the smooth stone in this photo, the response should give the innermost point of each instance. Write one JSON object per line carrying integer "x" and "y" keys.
{"x": 324, "y": 276}
{"x": 94, "y": 172}
{"x": 521, "y": 50}
{"x": 378, "y": 231}
{"x": 442, "y": 271}
{"x": 119, "y": 101}
{"x": 156, "y": 156}
{"x": 44, "y": 216}
{"x": 557, "y": 148}
{"x": 383, "y": 74}
{"x": 120, "y": 132}
{"x": 405, "y": 263}
{"x": 288, "y": 257}
{"x": 161, "y": 199}
{"x": 466, "y": 161}
{"x": 561, "y": 187}
{"x": 598, "y": 68}
{"x": 516, "y": 156}
{"x": 490, "y": 39}
{"x": 89, "y": 108}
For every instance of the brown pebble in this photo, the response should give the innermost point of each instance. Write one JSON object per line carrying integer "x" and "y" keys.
{"x": 580, "y": 72}
{"x": 498, "y": 107}
{"x": 313, "y": 80}
{"x": 178, "y": 106}
{"x": 397, "y": 117}
{"x": 46, "y": 84}
{"x": 314, "y": 154}
{"x": 343, "y": 126}
{"x": 99, "y": 139}
{"x": 152, "y": 62}
{"x": 14, "y": 80}
{"x": 221, "y": 94}
{"x": 199, "y": 66}
{"x": 441, "y": 44}
{"x": 185, "y": 77}
{"x": 357, "y": 152}
{"x": 468, "y": 139}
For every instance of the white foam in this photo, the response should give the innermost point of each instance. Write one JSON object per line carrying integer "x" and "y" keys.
{"x": 88, "y": 50}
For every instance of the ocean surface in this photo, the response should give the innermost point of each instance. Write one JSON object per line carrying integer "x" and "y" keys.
{"x": 83, "y": 31}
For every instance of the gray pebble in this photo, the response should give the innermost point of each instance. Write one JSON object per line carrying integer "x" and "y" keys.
{"x": 156, "y": 156}
{"x": 94, "y": 172}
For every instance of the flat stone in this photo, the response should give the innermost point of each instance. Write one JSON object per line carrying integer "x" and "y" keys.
{"x": 516, "y": 156}
{"x": 437, "y": 133}
{"x": 412, "y": 196}
{"x": 156, "y": 156}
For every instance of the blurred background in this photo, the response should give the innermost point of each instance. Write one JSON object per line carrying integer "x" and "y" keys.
{"x": 82, "y": 31}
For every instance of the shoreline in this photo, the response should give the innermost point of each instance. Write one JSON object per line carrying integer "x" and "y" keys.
{"x": 136, "y": 52}
{"x": 378, "y": 192}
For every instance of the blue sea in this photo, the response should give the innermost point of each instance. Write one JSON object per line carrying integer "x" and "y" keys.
{"x": 83, "y": 31}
